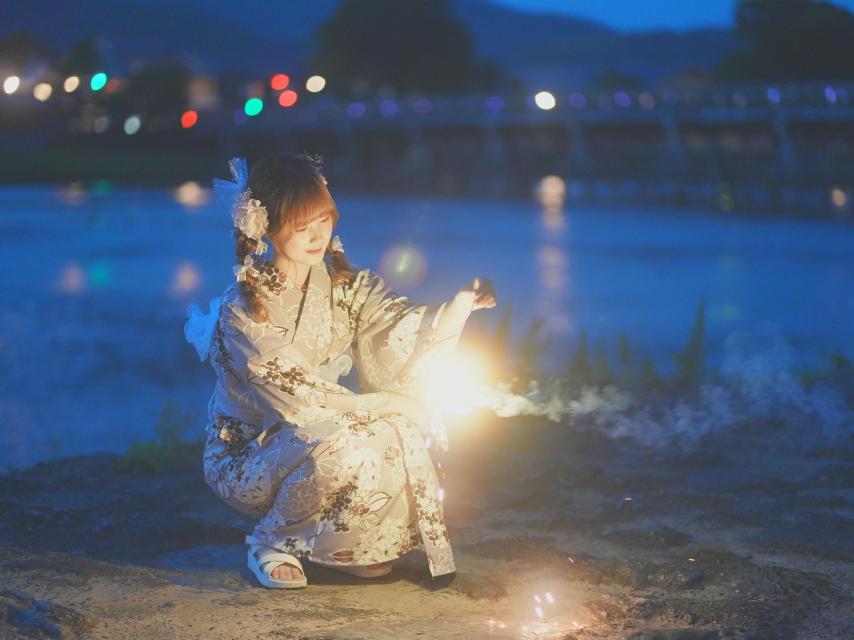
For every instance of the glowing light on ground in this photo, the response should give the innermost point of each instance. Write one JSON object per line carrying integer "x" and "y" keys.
{"x": 545, "y": 100}
{"x": 403, "y": 267}
{"x": 42, "y": 91}
{"x": 11, "y": 84}
{"x": 315, "y": 84}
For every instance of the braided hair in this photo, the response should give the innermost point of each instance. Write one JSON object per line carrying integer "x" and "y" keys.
{"x": 293, "y": 190}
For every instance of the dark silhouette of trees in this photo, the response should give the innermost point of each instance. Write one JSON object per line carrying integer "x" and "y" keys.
{"x": 791, "y": 40}
{"x": 403, "y": 45}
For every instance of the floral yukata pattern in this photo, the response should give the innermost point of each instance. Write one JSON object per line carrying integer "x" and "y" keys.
{"x": 338, "y": 487}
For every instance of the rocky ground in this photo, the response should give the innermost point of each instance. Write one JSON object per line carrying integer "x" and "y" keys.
{"x": 558, "y": 533}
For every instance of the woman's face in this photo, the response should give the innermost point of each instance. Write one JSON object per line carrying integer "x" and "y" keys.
{"x": 306, "y": 245}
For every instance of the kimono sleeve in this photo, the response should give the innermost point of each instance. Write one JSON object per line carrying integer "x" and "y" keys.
{"x": 393, "y": 336}
{"x": 272, "y": 378}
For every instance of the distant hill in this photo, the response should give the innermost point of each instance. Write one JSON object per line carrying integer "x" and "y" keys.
{"x": 262, "y": 36}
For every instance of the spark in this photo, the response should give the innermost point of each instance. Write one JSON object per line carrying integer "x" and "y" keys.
{"x": 537, "y": 597}
{"x": 550, "y": 597}
{"x": 539, "y": 612}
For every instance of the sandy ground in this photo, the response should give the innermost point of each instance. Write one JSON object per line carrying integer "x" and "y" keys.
{"x": 746, "y": 539}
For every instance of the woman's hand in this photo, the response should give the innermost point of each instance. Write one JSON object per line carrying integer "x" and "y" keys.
{"x": 480, "y": 294}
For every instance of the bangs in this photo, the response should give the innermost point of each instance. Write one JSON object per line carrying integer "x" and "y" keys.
{"x": 308, "y": 205}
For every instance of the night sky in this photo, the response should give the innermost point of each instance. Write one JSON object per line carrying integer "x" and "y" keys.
{"x": 644, "y": 14}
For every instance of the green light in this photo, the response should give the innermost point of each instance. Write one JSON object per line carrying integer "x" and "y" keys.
{"x": 253, "y": 106}
{"x": 98, "y": 81}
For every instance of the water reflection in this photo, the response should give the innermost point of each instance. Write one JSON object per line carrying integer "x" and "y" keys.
{"x": 192, "y": 195}
{"x": 187, "y": 278}
{"x": 73, "y": 279}
{"x": 551, "y": 257}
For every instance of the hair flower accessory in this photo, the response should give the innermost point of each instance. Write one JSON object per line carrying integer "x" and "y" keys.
{"x": 246, "y": 269}
{"x": 336, "y": 245}
{"x": 251, "y": 218}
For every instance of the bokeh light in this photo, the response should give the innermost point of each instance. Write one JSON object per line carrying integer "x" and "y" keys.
{"x": 187, "y": 278}
{"x": 11, "y": 84}
{"x": 773, "y": 95}
{"x": 288, "y": 98}
{"x": 577, "y": 100}
{"x": 71, "y": 84}
{"x": 132, "y": 124}
{"x": 646, "y": 100}
{"x": 42, "y": 91}
{"x": 545, "y": 100}
{"x": 315, "y": 84}
{"x": 838, "y": 197}
{"x": 99, "y": 274}
{"x": 830, "y": 95}
{"x": 253, "y": 106}
{"x": 551, "y": 192}
{"x": 279, "y": 81}
{"x": 73, "y": 194}
{"x": 622, "y": 99}
{"x": 191, "y": 194}
{"x": 356, "y": 109}
{"x": 493, "y": 104}
{"x": 388, "y": 108}
{"x": 189, "y": 119}
{"x": 101, "y": 124}
{"x": 72, "y": 279}
{"x": 403, "y": 267}
{"x": 98, "y": 81}
{"x": 422, "y": 106}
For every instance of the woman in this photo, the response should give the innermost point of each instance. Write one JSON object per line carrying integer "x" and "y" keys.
{"x": 338, "y": 478}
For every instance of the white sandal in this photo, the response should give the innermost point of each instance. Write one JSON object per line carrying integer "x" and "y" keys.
{"x": 262, "y": 566}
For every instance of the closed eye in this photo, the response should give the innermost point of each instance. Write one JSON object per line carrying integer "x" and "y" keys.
{"x": 323, "y": 219}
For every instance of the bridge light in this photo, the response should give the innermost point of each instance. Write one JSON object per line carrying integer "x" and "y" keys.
{"x": 545, "y": 100}
{"x": 288, "y": 98}
{"x": 279, "y": 81}
{"x": 11, "y": 84}
{"x": 98, "y": 81}
{"x": 253, "y": 106}
{"x": 315, "y": 84}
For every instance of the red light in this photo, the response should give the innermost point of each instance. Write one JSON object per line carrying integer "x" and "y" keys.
{"x": 288, "y": 98}
{"x": 189, "y": 119}
{"x": 279, "y": 81}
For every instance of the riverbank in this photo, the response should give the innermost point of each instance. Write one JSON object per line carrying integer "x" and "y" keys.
{"x": 749, "y": 536}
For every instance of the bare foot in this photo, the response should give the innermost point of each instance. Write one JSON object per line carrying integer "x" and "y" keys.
{"x": 283, "y": 571}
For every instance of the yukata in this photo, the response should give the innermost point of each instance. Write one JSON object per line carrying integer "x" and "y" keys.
{"x": 338, "y": 487}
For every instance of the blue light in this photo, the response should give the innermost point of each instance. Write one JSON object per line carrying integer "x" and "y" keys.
{"x": 773, "y": 95}
{"x": 830, "y": 95}
{"x": 356, "y": 109}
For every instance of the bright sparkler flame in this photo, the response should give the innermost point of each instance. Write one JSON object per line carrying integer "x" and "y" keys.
{"x": 454, "y": 384}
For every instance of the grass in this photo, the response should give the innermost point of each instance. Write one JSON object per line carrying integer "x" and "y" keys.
{"x": 169, "y": 450}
